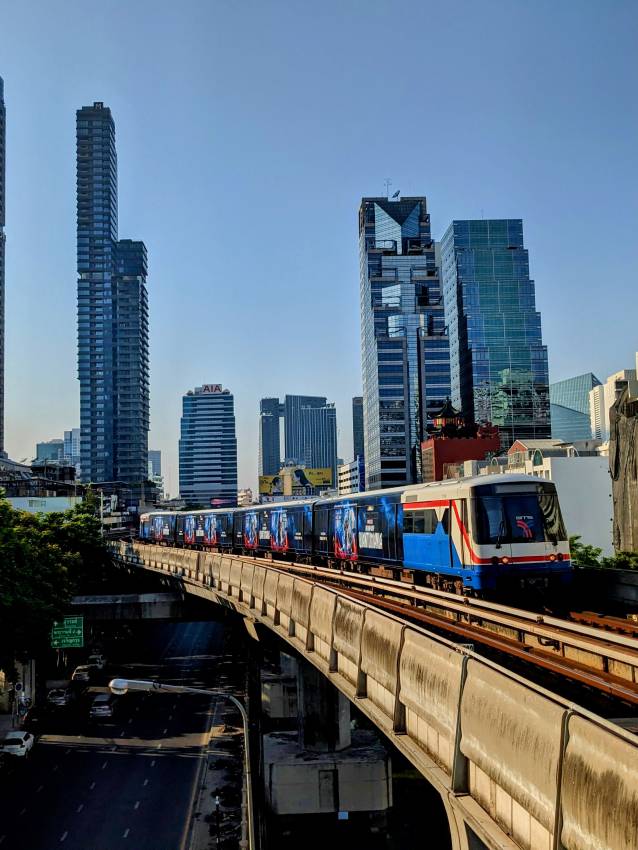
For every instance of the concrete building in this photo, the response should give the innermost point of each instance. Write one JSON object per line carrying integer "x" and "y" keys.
{"x": 244, "y": 497}
{"x": 112, "y": 315}
{"x": 498, "y": 360}
{"x": 404, "y": 344}
{"x": 351, "y": 477}
{"x": 569, "y": 404}
{"x": 604, "y": 396}
{"x": 208, "y": 447}
{"x": 357, "y": 426}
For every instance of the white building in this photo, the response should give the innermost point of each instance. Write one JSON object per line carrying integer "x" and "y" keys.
{"x": 245, "y": 497}
{"x": 350, "y": 477}
{"x": 603, "y": 397}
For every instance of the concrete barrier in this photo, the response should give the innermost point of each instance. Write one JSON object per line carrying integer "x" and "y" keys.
{"x": 247, "y": 575}
{"x": 300, "y": 609}
{"x": 224, "y": 574}
{"x": 348, "y": 626}
{"x": 321, "y": 617}
{"x": 235, "y": 578}
{"x": 430, "y": 676}
{"x": 512, "y": 738}
{"x": 259, "y": 577}
{"x": 284, "y": 601}
{"x": 599, "y": 799}
{"x": 270, "y": 595}
{"x": 381, "y": 642}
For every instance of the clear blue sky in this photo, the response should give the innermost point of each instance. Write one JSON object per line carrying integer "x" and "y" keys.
{"x": 247, "y": 133}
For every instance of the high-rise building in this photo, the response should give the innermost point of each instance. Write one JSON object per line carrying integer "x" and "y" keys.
{"x": 569, "y": 404}
{"x": 112, "y": 315}
{"x": 208, "y": 447}
{"x": 310, "y": 430}
{"x": 49, "y": 450}
{"x": 603, "y": 396}
{"x": 2, "y": 255}
{"x": 155, "y": 461}
{"x": 270, "y": 411}
{"x": 498, "y": 360}
{"x": 357, "y": 426}
{"x": 404, "y": 345}
{"x": 72, "y": 449}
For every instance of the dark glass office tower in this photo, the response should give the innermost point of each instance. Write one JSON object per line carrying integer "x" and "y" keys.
{"x": 569, "y": 405}
{"x": 112, "y": 315}
{"x": 404, "y": 346}
{"x": 2, "y": 243}
{"x": 208, "y": 447}
{"x": 310, "y": 430}
{"x": 357, "y": 426}
{"x": 270, "y": 411}
{"x": 498, "y": 360}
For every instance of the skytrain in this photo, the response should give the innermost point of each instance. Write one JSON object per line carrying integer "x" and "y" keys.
{"x": 489, "y": 536}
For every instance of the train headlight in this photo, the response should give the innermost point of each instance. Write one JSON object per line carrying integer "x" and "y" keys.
{"x": 505, "y": 560}
{"x": 552, "y": 557}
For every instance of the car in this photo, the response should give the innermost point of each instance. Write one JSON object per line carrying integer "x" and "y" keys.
{"x": 60, "y": 696}
{"x": 81, "y": 674}
{"x": 17, "y": 743}
{"x": 96, "y": 660}
{"x": 103, "y": 705}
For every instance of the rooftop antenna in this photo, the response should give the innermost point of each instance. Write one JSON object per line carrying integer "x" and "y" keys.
{"x": 388, "y": 183}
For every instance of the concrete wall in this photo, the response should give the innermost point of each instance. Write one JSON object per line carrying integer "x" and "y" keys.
{"x": 516, "y": 766}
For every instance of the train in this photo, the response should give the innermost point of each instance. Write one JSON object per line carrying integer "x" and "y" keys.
{"x": 489, "y": 536}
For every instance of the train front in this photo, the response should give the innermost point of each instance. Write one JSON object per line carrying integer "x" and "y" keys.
{"x": 519, "y": 539}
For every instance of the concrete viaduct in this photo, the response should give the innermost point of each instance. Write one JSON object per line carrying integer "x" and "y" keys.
{"x": 517, "y": 767}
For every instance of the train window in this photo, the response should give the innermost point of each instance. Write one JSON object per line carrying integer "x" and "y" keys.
{"x": 419, "y": 523}
{"x": 430, "y": 522}
{"x": 407, "y": 522}
{"x": 445, "y": 521}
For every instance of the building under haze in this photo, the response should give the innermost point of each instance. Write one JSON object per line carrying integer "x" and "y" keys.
{"x": 569, "y": 404}
{"x": 112, "y": 315}
{"x": 498, "y": 360}
{"x": 3, "y": 138}
{"x": 208, "y": 447}
{"x": 270, "y": 411}
{"x": 404, "y": 346}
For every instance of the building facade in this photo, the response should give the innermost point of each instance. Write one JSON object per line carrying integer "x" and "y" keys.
{"x": 498, "y": 360}
{"x": 49, "y": 450}
{"x": 603, "y": 397}
{"x": 270, "y": 411}
{"x": 3, "y": 139}
{"x": 569, "y": 405}
{"x": 357, "y": 426}
{"x": 404, "y": 344}
{"x": 112, "y": 315}
{"x": 208, "y": 447}
{"x": 351, "y": 477}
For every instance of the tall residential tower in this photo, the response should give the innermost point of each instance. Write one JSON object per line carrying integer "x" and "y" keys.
{"x": 498, "y": 360}
{"x": 112, "y": 315}
{"x": 404, "y": 346}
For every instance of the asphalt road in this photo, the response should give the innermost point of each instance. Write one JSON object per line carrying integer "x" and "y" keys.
{"x": 129, "y": 781}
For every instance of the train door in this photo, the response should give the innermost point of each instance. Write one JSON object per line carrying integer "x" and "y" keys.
{"x": 321, "y": 541}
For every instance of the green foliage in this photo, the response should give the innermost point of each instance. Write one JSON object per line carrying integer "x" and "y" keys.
{"x": 585, "y": 555}
{"x": 44, "y": 559}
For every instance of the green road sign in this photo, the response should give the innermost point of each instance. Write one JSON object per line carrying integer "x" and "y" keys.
{"x": 68, "y": 633}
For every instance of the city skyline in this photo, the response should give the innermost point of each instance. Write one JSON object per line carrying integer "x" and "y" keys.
{"x": 516, "y": 168}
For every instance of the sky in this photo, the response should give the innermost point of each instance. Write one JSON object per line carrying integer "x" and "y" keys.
{"x": 247, "y": 134}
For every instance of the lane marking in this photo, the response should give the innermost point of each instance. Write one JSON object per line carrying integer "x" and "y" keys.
{"x": 153, "y": 763}
{"x": 145, "y": 782}
{"x": 63, "y": 837}
{"x": 122, "y": 733}
{"x": 91, "y": 786}
{"x": 79, "y": 808}
{"x": 165, "y": 731}
{"x": 137, "y": 804}
{"x": 104, "y": 765}
{"x": 126, "y": 832}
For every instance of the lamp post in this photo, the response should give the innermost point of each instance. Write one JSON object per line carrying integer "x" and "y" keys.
{"x": 121, "y": 686}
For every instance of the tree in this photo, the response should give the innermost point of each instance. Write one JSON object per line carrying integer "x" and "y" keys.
{"x": 583, "y": 554}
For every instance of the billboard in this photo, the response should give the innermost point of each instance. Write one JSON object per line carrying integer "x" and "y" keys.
{"x": 293, "y": 477}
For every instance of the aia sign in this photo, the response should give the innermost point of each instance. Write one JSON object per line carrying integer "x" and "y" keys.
{"x": 212, "y": 388}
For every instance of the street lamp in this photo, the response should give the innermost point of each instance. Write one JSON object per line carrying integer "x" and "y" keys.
{"x": 121, "y": 686}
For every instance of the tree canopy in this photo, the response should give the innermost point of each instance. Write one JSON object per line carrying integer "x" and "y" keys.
{"x": 585, "y": 555}
{"x": 44, "y": 559}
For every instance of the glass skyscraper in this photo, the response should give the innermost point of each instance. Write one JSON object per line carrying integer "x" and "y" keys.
{"x": 498, "y": 360}
{"x": 569, "y": 403}
{"x": 3, "y": 136}
{"x": 357, "y": 426}
{"x": 310, "y": 431}
{"x": 208, "y": 447}
{"x": 405, "y": 348}
{"x": 270, "y": 410}
{"x": 112, "y": 315}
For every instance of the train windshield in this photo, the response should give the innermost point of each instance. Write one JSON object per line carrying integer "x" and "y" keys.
{"x": 510, "y": 514}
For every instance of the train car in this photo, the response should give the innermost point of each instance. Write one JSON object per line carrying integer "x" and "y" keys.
{"x": 207, "y": 529}
{"x": 159, "y": 527}
{"x": 490, "y": 535}
{"x": 275, "y": 529}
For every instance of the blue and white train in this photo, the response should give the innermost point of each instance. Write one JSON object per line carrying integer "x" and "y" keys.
{"x": 487, "y": 536}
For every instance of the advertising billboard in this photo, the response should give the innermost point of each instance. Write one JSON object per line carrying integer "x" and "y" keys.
{"x": 294, "y": 477}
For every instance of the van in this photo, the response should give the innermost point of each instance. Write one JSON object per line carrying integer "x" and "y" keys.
{"x": 103, "y": 705}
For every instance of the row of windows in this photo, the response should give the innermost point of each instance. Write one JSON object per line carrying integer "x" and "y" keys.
{"x": 424, "y": 522}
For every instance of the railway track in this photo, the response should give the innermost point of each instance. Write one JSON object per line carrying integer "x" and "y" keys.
{"x": 588, "y": 650}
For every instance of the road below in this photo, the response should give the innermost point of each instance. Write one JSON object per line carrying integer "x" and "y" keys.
{"x": 129, "y": 781}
